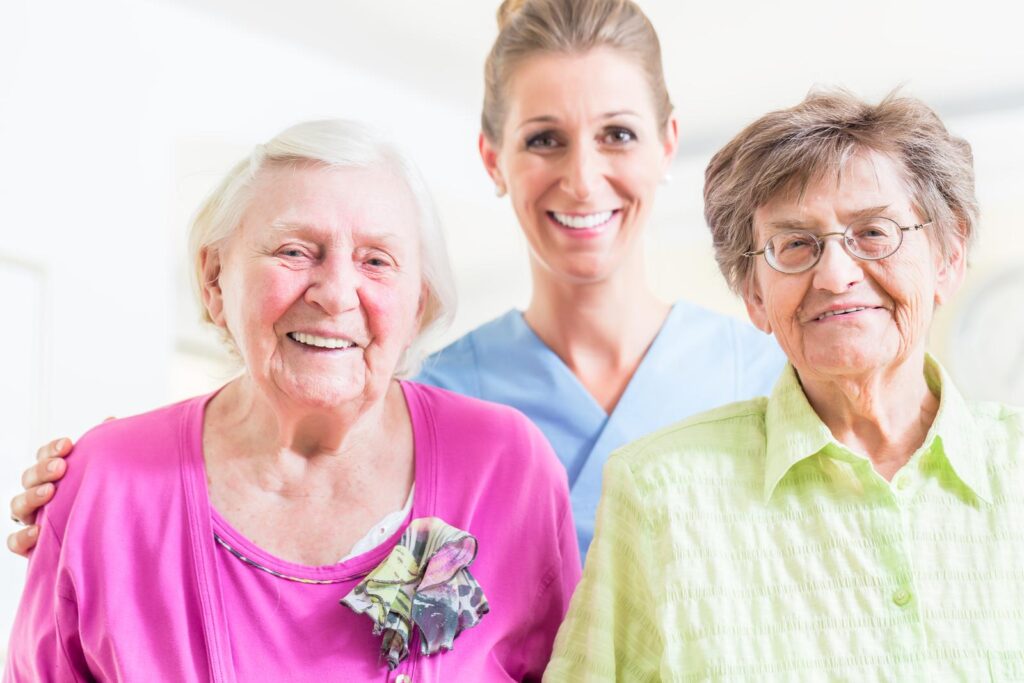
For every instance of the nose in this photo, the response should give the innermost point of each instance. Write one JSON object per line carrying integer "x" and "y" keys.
{"x": 581, "y": 171}
{"x": 334, "y": 285}
{"x": 836, "y": 271}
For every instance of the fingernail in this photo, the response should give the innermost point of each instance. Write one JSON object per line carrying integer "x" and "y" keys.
{"x": 32, "y": 532}
{"x": 53, "y": 465}
{"x": 43, "y": 490}
{"x": 59, "y": 446}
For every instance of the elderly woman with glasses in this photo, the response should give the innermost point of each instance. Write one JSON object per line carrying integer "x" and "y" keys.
{"x": 863, "y": 521}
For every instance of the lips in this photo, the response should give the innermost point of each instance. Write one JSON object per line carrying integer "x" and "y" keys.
{"x": 582, "y": 221}
{"x": 319, "y": 342}
{"x": 834, "y": 312}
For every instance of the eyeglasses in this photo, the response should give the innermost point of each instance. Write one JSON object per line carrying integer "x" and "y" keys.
{"x": 868, "y": 239}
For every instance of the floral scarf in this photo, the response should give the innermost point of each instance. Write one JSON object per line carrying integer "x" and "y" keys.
{"x": 424, "y": 581}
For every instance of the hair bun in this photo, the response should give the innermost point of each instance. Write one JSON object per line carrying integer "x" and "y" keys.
{"x": 507, "y": 10}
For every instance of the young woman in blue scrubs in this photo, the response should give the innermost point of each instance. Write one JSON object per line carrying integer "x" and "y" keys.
{"x": 578, "y": 131}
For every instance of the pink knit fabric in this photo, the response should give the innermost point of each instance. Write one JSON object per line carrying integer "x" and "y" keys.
{"x": 127, "y": 582}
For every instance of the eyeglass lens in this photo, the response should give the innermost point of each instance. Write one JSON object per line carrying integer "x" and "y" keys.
{"x": 868, "y": 238}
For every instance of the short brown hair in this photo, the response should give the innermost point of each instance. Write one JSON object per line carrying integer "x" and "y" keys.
{"x": 785, "y": 150}
{"x": 528, "y": 27}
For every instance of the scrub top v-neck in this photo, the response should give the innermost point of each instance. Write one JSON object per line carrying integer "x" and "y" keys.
{"x": 699, "y": 360}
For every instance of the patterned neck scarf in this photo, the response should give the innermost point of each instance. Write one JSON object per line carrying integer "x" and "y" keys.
{"x": 424, "y": 581}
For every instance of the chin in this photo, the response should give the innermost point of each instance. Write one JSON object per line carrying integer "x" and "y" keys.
{"x": 850, "y": 359}
{"x": 320, "y": 393}
{"x": 585, "y": 269}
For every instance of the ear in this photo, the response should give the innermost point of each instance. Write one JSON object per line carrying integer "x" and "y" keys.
{"x": 670, "y": 142}
{"x": 754, "y": 302}
{"x": 422, "y": 307}
{"x": 213, "y": 299}
{"x": 489, "y": 155}
{"x": 950, "y": 270}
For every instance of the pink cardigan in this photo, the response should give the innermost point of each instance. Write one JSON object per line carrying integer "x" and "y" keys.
{"x": 128, "y": 583}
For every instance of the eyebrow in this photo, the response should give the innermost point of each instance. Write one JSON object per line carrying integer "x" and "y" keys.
{"x": 279, "y": 227}
{"x": 547, "y": 118}
{"x": 798, "y": 224}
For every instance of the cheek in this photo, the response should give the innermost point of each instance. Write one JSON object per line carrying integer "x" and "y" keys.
{"x": 276, "y": 291}
{"x": 911, "y": 286}
{"x": 391, "y": 312}
{"x": 529, "y": 179}
{"x": 782, "y": 304}
{"x": 640, "y": 174}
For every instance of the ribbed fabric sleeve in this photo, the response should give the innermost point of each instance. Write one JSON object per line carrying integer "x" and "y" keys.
{"x": 613, "y": 633}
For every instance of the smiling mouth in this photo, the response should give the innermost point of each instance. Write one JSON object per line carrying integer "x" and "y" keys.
{"x": 587, "y": 221}
{"x": 320, "y": 342}
{"x": 844, "y": 311}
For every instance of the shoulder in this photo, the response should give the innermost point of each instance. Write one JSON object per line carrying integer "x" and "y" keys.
{"x": 113, "y": 455}
{"x": 481, "y": 433}
{"x": 756, "y": 356}
{"x": 137, "y": 437}
{"x": 455, "y": 367}
{"x": 718, "y": 443}
{"x": 999, "y": 423}
{"x": 995, "y": 413}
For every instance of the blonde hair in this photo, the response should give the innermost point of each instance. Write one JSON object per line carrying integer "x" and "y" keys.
{"x": 785, "y": 150}
{"x": 528, "y": 27}
{"x": 335, "y": 144}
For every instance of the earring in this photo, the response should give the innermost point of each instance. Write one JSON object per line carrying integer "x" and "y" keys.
{"x": 499, "y": 190}
{"x": 666, "y": 179}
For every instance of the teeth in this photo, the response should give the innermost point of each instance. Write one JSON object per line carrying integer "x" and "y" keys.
{"x": 591, "y": 220}
{"x": 320, "y": 342}
{"x": 829, "y": 314}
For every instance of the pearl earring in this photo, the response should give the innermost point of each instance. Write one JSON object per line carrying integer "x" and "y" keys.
{"x": 666, "y": 179}
{"x": 499, "y": 190}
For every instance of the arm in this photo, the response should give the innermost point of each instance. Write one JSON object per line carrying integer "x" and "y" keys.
{"x": 611, "y": 632}
{"x": 44, "y": 642}
{"x": 38, "y": 484}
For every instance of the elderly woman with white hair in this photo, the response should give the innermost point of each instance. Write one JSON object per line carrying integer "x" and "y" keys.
{"x": 213, "y": 539}
{"x": 863, "y": 522}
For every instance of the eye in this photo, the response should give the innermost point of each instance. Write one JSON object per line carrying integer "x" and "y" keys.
{"x": 874, "y": 229}
{"x": 618, "y": 136}
{"x": 377, "y": 260}
{"x": 791, "y": 242}
{"x": 542, "y": 141}
{"x": 293, "y": 251}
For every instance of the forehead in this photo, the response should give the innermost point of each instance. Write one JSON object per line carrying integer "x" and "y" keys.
{"x": 867, "y": 179}
{"x": 592, "y": 83}
{"x": 331, "y": 200}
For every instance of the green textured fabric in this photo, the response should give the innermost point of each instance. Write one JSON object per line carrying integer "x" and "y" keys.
{"x": 746, "y": 543}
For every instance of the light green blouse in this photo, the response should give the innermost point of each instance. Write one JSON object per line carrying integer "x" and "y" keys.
{"x": 746, "y": 543}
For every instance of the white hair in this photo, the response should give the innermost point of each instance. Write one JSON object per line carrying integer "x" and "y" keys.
{"x": 335, "y": 143}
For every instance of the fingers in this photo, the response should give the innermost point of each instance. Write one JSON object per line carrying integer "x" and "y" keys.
{"x": 25, "y": 505}
{"x": 47, "y": 468}
{"x": 61, "y": 447}
{"x": 23, "y": 540}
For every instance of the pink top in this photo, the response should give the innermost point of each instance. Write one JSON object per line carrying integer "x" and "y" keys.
{"x": 128, "y": 583}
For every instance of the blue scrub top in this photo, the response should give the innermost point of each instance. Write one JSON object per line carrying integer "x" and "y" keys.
{"x": 699, "y": 360}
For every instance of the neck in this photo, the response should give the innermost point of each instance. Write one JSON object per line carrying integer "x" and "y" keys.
{"x": 616, "y": 317}
{"x": 338, "y": 471}
{"x": 886, "y": 414}
{"x": 600, "y": 330}
{"x": 304, "y": 430}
